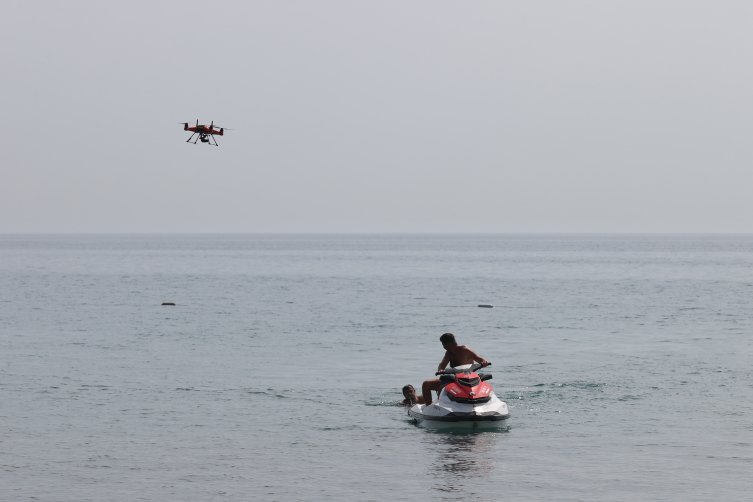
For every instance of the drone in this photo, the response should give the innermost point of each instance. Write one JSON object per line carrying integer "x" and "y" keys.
{"x": 205, "y": 133}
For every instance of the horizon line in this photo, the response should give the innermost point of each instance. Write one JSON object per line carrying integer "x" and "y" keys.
{"x": 367, "y": 233}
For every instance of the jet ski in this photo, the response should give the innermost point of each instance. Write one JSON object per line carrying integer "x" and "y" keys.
{"x": 466, "y": 402}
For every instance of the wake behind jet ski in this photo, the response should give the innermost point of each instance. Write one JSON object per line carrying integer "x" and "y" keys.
{"x": 466, "y": 401}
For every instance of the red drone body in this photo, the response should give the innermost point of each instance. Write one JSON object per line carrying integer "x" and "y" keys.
{"x": 205, "y": 133}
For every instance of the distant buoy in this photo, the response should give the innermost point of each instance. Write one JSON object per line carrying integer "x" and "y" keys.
{"x": 486, "y": 305}
{"x": 168, "y": 303}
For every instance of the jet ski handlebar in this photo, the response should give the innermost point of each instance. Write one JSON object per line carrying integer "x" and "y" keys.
{"x": 455, "y": 371}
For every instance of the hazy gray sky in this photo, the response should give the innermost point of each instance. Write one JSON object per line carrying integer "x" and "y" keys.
{"x": 350, "y": 116}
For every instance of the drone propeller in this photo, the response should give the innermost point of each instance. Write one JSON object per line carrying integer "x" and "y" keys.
{"x": 211, "y": 125}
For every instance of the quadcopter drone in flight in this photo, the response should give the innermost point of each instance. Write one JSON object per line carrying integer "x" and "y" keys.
{"x": 205, "y": 133}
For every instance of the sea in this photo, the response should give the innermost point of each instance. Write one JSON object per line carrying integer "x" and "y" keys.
{"x": 626, "y": 362}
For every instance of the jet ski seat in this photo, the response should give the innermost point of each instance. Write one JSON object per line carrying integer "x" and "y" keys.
{"x": 445, "y": 379}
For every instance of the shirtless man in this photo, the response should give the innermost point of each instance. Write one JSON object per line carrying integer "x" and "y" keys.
{"x": 410, "y": 396}
{"x": 456, "y": 355}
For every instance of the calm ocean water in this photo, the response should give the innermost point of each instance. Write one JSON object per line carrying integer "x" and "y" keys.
{"x": 626, "y": 362}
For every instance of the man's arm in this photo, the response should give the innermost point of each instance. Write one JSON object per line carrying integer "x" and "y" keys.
{"x": 445, "y": 362}
{"x": 419, "y": 400}
{"x": 484, "y": 363}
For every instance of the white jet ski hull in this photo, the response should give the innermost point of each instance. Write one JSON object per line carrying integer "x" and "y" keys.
{"x": 446, "y": 414}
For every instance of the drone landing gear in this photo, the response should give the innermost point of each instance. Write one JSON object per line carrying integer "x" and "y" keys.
{"x": 205, "y": 138}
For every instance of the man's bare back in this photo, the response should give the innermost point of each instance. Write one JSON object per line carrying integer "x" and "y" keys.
{"x": 460, "y": 355}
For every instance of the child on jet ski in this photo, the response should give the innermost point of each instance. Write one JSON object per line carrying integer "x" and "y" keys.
{"x": 455, "y": 355}
{"x": 410, "y": 396}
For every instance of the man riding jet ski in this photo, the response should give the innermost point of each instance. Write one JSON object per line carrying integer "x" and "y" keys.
{"x": 455, "y": 355}
{"x": 470, "y": 401}
{"x": 465, "y": 401}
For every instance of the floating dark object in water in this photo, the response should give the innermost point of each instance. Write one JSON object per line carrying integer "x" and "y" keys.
{"x": 168, "y": 303}
{"x": 486, "y": 305}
